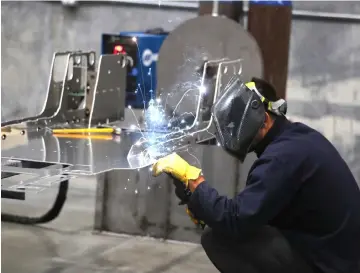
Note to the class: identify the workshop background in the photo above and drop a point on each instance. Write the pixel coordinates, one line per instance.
(324, 63)
(322, 91)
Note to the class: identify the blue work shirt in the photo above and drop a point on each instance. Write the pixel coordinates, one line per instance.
(301, 185)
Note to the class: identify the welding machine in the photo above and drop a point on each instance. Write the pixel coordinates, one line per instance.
(142, 50)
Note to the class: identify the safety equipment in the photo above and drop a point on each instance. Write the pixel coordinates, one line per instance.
(181, 172)
(181, 191)
(278, 107)
(239, 113)
(177, 167)
(184, 195)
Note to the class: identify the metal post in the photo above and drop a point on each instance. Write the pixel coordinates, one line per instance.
(270, 25)
(231, 9)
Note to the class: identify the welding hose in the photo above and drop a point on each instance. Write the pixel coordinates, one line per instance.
(45, 218)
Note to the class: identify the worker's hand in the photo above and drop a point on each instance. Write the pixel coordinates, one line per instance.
(177, 167)
(181, 191)
(194, 220)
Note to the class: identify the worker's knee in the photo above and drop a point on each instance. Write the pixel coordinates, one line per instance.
(264, 240)
(211, 245)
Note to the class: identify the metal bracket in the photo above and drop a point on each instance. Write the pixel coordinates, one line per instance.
(72, 100)
(108, 101)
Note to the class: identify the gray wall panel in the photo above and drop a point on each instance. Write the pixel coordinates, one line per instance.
(323, 87)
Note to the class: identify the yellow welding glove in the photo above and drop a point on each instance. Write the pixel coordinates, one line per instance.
(181, 171)
(177, 167)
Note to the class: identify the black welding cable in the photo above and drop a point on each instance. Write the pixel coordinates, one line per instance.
(45, 218)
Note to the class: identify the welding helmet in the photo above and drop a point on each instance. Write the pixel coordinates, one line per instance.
(238, 115)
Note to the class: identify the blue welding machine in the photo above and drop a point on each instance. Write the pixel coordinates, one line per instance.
(142, 50)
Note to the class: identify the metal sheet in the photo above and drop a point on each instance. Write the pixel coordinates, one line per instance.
(191, 44)
(108, 102)
(87, 154)
(76, 89)
(134, 202)
(72, 97)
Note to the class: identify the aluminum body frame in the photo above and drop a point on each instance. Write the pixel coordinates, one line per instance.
(77, 96)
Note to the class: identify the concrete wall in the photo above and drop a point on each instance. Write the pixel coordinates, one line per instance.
(324, 72)
(323, 87)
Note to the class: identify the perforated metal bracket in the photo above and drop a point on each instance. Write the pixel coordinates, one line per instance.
(72, 100)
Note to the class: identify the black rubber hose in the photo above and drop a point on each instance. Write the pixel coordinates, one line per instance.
(48, 216)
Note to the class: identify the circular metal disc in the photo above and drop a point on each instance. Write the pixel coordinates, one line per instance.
(204, 37)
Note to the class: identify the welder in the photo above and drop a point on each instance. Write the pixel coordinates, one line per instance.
(300, 209)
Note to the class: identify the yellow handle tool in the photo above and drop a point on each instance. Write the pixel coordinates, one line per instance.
(84, 130)
(81, 136)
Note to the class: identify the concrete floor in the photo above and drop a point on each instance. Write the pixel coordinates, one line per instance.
(69, 245)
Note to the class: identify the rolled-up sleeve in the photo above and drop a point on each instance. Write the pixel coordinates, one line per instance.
(269, 189)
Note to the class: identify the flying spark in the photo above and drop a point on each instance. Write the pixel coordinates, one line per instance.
(163, 134)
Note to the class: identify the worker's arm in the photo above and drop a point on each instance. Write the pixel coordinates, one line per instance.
(270, 188)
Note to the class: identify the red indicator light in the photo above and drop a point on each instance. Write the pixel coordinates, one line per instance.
(118, 49)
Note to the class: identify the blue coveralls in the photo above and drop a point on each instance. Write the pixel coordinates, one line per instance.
(301, 185)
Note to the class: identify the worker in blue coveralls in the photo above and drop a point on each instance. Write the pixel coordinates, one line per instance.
(300, 209)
